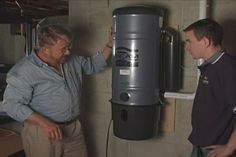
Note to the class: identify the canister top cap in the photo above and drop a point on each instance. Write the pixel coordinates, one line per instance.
(139, 10)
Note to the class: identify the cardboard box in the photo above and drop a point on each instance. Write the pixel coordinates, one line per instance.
(10, 142)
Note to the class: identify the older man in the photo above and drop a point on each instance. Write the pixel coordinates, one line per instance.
(44, 92)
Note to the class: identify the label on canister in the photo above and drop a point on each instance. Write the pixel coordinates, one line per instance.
(124, 72)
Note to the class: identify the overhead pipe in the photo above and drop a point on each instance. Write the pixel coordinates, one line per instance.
(21, 14)
(203, 13)
(28, 39)
(28, 31)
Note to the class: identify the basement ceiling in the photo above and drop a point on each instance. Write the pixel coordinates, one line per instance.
(32, 9)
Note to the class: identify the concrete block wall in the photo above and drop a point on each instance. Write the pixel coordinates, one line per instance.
(225, 13)
(93, 19)
(11, 46)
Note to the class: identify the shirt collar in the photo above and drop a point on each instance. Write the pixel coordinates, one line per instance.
(213, 59)
(37, 60)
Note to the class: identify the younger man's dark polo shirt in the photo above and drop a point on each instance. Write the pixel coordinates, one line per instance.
(213, 119)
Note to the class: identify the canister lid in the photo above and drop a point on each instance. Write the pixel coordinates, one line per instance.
(139, 10)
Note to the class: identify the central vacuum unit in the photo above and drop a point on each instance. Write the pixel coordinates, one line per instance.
(135, 71)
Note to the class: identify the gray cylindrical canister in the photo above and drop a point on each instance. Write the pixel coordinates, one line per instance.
(135, 71)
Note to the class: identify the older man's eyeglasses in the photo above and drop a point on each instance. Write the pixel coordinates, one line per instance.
(66, 48)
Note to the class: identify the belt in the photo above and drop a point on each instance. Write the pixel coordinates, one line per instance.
(66, 122)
